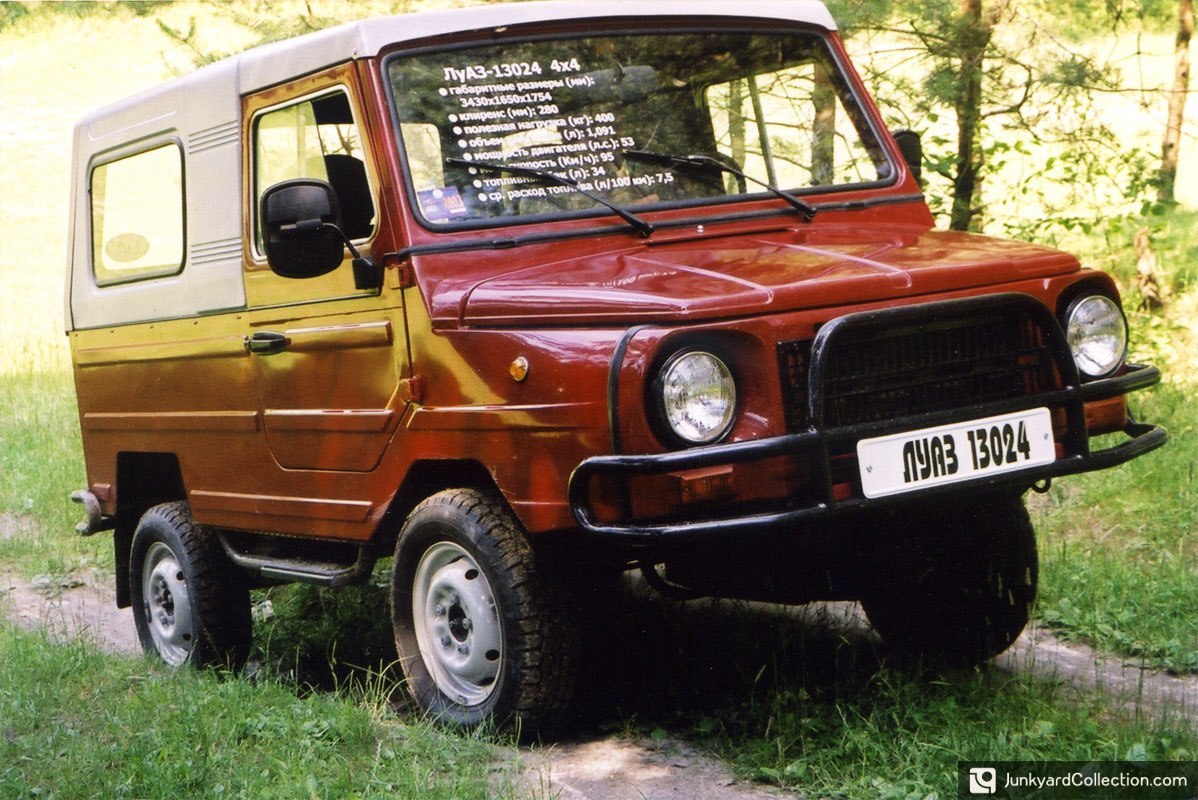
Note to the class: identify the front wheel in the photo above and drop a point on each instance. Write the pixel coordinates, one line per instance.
(956, 585)
(189, 605)
(479, 629)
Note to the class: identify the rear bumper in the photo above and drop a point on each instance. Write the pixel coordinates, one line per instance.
(818, 443)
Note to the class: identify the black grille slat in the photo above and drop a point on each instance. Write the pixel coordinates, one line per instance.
(939, 365)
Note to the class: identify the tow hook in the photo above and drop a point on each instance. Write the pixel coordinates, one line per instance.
(95, 520)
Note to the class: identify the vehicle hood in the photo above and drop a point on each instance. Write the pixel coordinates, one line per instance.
(720, 277)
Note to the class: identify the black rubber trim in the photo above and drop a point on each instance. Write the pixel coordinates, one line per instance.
(613, 386)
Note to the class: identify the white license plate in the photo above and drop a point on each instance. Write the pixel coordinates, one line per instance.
(905, 462)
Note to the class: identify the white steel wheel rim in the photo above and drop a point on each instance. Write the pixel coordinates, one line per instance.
(167, 605)
(457, 624)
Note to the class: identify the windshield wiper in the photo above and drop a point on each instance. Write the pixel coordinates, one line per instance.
(644, 228)
(700, 161)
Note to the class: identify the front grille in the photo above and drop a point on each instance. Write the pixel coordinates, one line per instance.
(877, 373)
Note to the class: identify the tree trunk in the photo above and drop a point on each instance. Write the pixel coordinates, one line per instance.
(736, 121)
(1177, 101)
(823, 144)
(1152, 297)
(974, 37)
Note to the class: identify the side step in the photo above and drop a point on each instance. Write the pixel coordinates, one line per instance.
(95, 521)
(298, 570)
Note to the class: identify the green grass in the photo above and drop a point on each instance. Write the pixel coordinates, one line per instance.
(1171, 234)
(316, 637)
(41, 463)
(900, 737)
(75, 723)
(816, 708)
(1119, 560)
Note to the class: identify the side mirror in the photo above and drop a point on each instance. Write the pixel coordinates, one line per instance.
(301, 228)
(911, 146)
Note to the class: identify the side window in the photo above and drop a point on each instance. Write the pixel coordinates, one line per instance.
(137, 216)
(315, 138)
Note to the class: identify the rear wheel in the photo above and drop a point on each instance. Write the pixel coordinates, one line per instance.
(480, 630)
(958, 586)
(189, 604)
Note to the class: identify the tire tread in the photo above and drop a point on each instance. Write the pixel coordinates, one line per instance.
(220, 599)
(547, 641)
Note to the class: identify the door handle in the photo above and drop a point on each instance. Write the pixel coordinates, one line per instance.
(264, 343)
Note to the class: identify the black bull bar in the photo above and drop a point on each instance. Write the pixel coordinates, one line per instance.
(819, 441)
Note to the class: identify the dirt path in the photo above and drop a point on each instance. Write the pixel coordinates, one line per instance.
(621, 769)
(614, 768)
(69, 609)
(1089, 671)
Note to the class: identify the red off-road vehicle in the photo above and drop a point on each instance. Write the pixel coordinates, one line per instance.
(525, 295)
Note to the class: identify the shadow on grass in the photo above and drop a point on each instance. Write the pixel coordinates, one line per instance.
(657, 663)
(648, 662)
(321, 639)
(802, 698)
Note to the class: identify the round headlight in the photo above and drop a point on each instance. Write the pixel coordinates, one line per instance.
(1097, 334)
(698, 397)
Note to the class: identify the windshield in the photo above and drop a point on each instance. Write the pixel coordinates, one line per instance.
(772, 105)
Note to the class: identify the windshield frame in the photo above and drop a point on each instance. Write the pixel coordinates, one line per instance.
(846, 75)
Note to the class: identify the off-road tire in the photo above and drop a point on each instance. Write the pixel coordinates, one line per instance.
(447, 544)
(955, 585)
(190, 605)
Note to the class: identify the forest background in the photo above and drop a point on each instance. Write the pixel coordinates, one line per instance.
(1041, 120)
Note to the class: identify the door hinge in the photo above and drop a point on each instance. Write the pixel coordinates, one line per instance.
(399, 271)
(411, 390)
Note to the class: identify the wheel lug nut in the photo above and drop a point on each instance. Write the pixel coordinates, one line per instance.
(445, 641)
(463, 649)
(439, 610)
(467, 624)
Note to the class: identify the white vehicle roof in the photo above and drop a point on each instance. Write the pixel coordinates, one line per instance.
(271, 64)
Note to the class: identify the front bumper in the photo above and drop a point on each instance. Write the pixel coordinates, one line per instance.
(818, 443)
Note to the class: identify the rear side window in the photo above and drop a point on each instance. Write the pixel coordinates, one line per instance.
(137, 216)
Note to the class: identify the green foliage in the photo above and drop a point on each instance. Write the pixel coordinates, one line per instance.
(11, 12)
(854, 15)
(1087, 17)
(269, 21)
(144, 8)
(187, 39)
(1077, 71)
(75, 723)
(1011, 115)
(1171, 231)
(324, 637)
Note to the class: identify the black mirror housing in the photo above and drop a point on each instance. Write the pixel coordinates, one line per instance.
(911, 146)
(301, 228)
